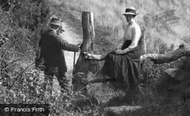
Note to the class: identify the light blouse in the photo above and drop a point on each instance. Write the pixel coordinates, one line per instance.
(133, 33)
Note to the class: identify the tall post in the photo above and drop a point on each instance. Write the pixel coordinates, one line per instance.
(144, 41)
(82, 65)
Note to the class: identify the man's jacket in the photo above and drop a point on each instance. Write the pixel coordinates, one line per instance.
(52, 47)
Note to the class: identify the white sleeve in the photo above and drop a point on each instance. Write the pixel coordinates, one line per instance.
(136, 33)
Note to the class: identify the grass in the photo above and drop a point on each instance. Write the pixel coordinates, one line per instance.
(106, 12)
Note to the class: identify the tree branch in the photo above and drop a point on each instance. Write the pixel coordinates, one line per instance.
(168, 57)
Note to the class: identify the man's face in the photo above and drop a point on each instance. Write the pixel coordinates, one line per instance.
(60, 30)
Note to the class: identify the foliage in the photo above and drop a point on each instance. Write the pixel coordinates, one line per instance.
(21, 22)
(29, 89)
(152, 72)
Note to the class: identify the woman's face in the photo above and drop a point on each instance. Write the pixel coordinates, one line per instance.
(128, 17)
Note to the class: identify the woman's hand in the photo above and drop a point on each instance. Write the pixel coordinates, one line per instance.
(118, 51)
(118, 48)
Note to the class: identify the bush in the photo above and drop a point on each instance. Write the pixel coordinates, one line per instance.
(21, 22)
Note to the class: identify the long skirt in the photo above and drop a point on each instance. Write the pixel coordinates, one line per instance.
(123, 68)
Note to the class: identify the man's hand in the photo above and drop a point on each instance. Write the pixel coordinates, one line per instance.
(79, 45)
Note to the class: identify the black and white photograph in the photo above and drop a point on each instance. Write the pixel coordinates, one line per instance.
(94, 58)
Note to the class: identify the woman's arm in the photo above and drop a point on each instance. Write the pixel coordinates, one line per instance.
(136, 32)
(94, 56)
(120, 44)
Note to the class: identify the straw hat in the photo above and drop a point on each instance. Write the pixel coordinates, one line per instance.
(56, 21)
(130, 11)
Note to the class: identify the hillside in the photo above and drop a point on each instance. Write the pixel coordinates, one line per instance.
(163, 20)
(22, 21)
(166, 25)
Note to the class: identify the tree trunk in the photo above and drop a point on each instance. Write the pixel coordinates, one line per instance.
(82, 65)
(166, 58)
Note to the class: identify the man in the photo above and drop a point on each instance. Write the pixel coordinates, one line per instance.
(52, 52)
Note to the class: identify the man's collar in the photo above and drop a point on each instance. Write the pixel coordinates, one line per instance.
(52, 30)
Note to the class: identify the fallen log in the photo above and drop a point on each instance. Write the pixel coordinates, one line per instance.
(168, 57)
(155, 58)
(120, 110)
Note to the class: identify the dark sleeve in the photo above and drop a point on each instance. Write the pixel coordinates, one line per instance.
(39, 42)
(61, 43)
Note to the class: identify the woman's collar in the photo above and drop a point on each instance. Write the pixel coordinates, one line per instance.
(131, 22)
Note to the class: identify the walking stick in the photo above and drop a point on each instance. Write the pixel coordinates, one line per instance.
(74, 62)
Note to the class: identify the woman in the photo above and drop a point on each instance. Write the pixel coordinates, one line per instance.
(123, 63)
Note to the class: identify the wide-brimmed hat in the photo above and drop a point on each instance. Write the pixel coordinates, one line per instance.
(56, 21)
(130, 11)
